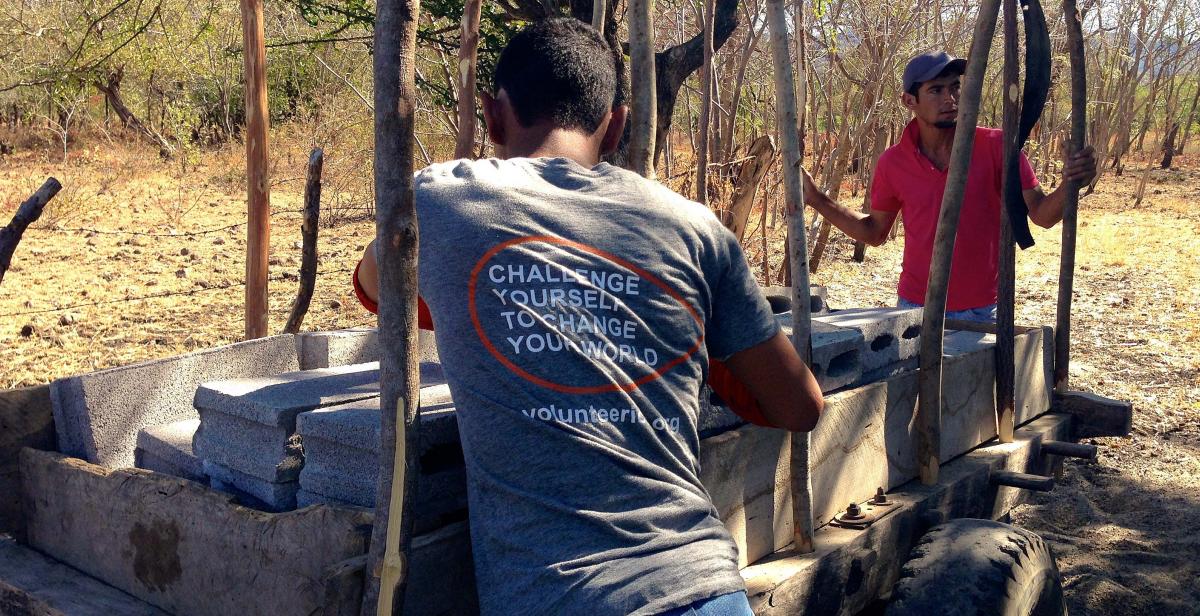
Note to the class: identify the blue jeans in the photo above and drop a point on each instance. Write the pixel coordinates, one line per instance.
(982, 314)
(732, 604)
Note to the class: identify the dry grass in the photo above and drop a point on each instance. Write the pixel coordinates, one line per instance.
(153, 280)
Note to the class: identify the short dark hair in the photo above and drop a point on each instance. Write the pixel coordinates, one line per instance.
(559, 70)
(951, 69)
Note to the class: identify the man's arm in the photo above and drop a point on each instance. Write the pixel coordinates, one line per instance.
(786, 390)
(1047, 210)
(368, 273)
(869, 228)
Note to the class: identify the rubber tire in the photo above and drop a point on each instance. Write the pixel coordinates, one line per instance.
(979, 567)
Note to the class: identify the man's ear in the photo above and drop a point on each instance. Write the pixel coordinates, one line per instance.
(492, 114)
(616, 128)
(909, 101)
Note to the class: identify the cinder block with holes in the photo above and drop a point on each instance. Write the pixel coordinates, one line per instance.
(835, 352)
(780, 298)
(890, 335)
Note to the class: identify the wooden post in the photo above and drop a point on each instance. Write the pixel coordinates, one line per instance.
(27, 213)
(308, 259)
(258, 184)
(929, 410)
(598, 10)
(642, 82)
(789, 136)
(1006, 281)
(464, 146)
(705, 106)
(396, 243)
(1066, 268)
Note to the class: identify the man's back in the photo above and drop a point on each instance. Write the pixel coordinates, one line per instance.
(575, 310)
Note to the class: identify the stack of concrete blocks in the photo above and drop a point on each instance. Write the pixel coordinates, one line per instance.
(247, 434)
(168, 449)
(98, 416)
(890, 337)
(342, 445)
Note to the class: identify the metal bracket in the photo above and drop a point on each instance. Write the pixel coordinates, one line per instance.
(860, 517)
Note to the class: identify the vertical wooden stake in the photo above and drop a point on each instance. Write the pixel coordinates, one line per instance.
(929, 408)
(258, 185)
(1066, 268)
(1006, 282)
(467, 52)
(789, 136)
(309, 228)
(705, 106)
(396, 241)
(598, 10)
(642, 82)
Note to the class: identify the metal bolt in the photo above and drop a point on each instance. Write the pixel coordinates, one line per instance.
(880, 497)
(853, 511)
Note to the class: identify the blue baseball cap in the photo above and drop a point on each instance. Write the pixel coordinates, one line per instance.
(929, 65)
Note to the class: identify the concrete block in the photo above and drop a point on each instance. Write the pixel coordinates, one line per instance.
(835, 352)
(182, 547)
(357, 345)
(715, 417)
(780, 298)
(342, 457)
(270, 453)
(889, 334)
(98, 415)
(252, 491)
(168, 449)
(275, 401)
(33, 584)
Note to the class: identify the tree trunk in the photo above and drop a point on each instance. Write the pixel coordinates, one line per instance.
(642, 82)
(706, 76)
(467, 51)
(110, 86)
(396, 238)
(1168, 148)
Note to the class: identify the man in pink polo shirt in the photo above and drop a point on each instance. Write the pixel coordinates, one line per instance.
(911, 176)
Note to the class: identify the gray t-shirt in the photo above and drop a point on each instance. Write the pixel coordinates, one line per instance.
(576, 310)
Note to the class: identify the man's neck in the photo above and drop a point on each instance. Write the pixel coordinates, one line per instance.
(935, 143)
(554, 143)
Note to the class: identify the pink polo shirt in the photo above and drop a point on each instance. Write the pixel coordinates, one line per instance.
(907, 182)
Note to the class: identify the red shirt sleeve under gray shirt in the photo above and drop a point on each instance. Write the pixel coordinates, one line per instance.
(576, 310)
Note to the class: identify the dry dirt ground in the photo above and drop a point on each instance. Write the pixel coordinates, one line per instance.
(138, 259)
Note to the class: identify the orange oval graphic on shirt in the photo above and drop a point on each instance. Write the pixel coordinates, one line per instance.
(608, 387)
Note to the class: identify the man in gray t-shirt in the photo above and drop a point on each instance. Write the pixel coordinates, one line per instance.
(577, 306)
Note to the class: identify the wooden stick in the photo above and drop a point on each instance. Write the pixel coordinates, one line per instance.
(642, 83)
(598, 10)
(258, 183)
(308, 259)
(1024, 481)
(396, 242)
(929, 411)
(27, 213)
(468, 50)
(1066, 267)
(786, 119)
(1006, 281)
(1070, 450)
(706, 73)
